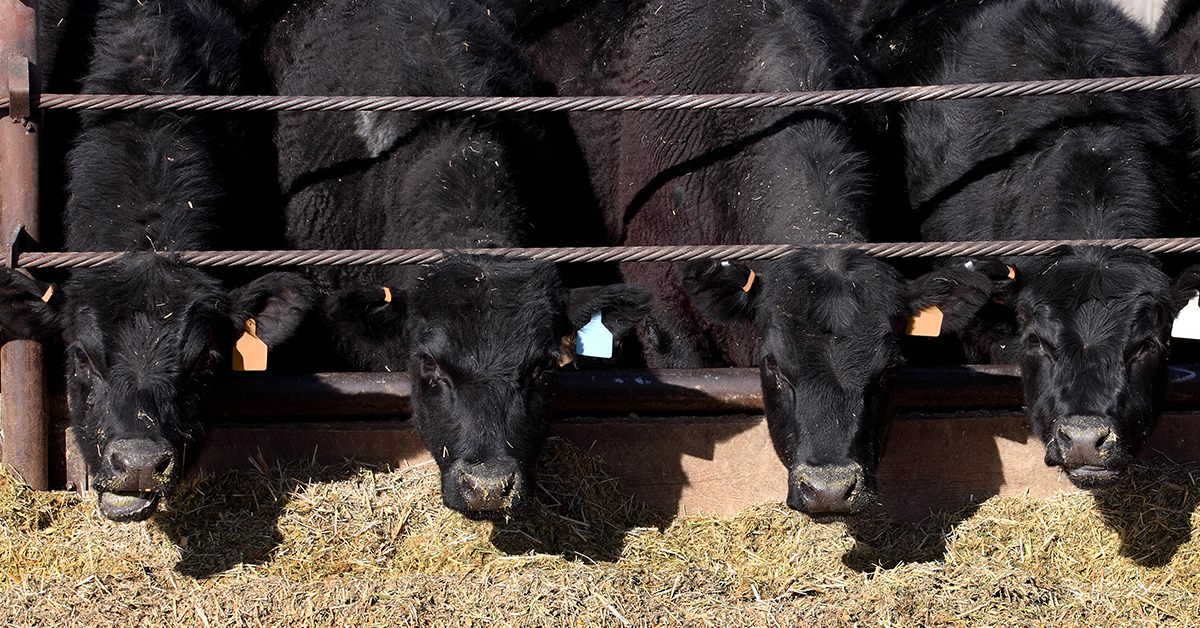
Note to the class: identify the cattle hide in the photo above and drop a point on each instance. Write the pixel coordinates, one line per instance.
(820, 325)
(1088, 326)
(480, 336)
(146, 333)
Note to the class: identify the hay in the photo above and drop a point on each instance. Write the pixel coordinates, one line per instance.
(356, 545)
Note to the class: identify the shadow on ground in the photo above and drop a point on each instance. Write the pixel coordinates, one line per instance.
(221, 521)
(1151, 510)
(579, 512)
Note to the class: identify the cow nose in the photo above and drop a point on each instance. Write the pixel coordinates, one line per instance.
(824, 490)
(1084, 443)
(139, 465)
(488, 487)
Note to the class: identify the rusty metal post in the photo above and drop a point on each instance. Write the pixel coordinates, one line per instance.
(23, 419)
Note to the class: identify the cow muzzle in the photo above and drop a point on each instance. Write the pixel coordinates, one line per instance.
(1088, 449)
(828, 492)
(135, 474)
(489, 487)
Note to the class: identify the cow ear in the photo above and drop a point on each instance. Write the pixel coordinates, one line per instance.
(960, 289)
(29, 309)
(722, 291)
(621, 306)
(1186, 286)
(278, 303)
(370, 312)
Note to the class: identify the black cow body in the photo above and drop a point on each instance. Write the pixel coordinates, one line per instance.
(1088, 326)
(145, 333)
(1178, 33)
(821, 326)
(479, 336)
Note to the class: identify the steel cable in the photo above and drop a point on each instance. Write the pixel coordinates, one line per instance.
(614, 103)
(385, 257)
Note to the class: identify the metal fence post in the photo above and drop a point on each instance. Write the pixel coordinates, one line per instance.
(23, 417)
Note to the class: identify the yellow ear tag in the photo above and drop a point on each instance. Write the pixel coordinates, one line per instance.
(250, 353)
(749, 283)
(927, 322)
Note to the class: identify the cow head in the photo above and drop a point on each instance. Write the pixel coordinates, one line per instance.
(1089, 327)
(144, 336)
(829, 353)
(481, 339)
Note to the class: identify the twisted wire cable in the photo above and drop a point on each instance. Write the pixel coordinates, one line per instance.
(386, 257)
(614, 103)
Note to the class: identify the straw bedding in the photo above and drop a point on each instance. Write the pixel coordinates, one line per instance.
(355, 545)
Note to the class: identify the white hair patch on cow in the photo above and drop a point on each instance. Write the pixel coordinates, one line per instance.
(377, 129)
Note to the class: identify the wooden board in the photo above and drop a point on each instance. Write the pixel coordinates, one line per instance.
(714, 465)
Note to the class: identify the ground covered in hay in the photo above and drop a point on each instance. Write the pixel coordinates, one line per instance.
(359, 546)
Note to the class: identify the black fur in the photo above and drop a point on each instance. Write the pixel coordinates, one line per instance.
(479, 336)
(1088, 326)
(146, 333)
(744, 177)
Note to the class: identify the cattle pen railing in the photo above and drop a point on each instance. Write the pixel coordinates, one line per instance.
(38, 450)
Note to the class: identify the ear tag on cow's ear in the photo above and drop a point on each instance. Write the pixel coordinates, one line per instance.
(48, 293)
(1187, 324)
(250, 353)
(927, 322)
(1012, 272)
(594, 339)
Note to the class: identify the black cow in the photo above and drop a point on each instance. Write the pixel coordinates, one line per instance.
(1178, 33)
(1089, 326)
(146, 333)
(821, 326)
(479, 336)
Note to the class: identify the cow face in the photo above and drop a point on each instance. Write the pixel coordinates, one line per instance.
(143, 338)
(483, 338)
(829, 356)
(1089, 327)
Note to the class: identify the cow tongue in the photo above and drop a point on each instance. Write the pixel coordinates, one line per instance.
(128, 506)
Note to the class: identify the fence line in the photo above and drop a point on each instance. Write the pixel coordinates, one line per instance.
(614, 103)
(387, 257)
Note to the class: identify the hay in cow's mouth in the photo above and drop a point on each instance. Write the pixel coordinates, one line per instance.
(125, 507)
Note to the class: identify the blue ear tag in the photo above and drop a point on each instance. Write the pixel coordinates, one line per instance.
(594, 340)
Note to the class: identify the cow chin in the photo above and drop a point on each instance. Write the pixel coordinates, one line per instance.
(486, 491)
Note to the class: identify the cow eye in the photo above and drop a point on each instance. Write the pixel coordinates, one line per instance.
(1141, 351)
(83, 363)
(1036, 344)
(428, 363)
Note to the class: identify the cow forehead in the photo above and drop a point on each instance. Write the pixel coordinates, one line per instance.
(1116, 287)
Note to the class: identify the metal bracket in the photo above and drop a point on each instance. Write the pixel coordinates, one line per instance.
(16, 243)
(20, 103)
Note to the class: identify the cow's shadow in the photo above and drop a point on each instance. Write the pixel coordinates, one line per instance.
(579, 512)
(1151, 510)
(221, 521)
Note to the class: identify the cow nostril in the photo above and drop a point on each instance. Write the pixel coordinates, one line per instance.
(119, 463)
(163, 466)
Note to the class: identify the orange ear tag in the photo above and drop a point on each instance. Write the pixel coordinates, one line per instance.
(1012, 273)
(49, 293)
(927, 322)
(749, 283)
(250, 353)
